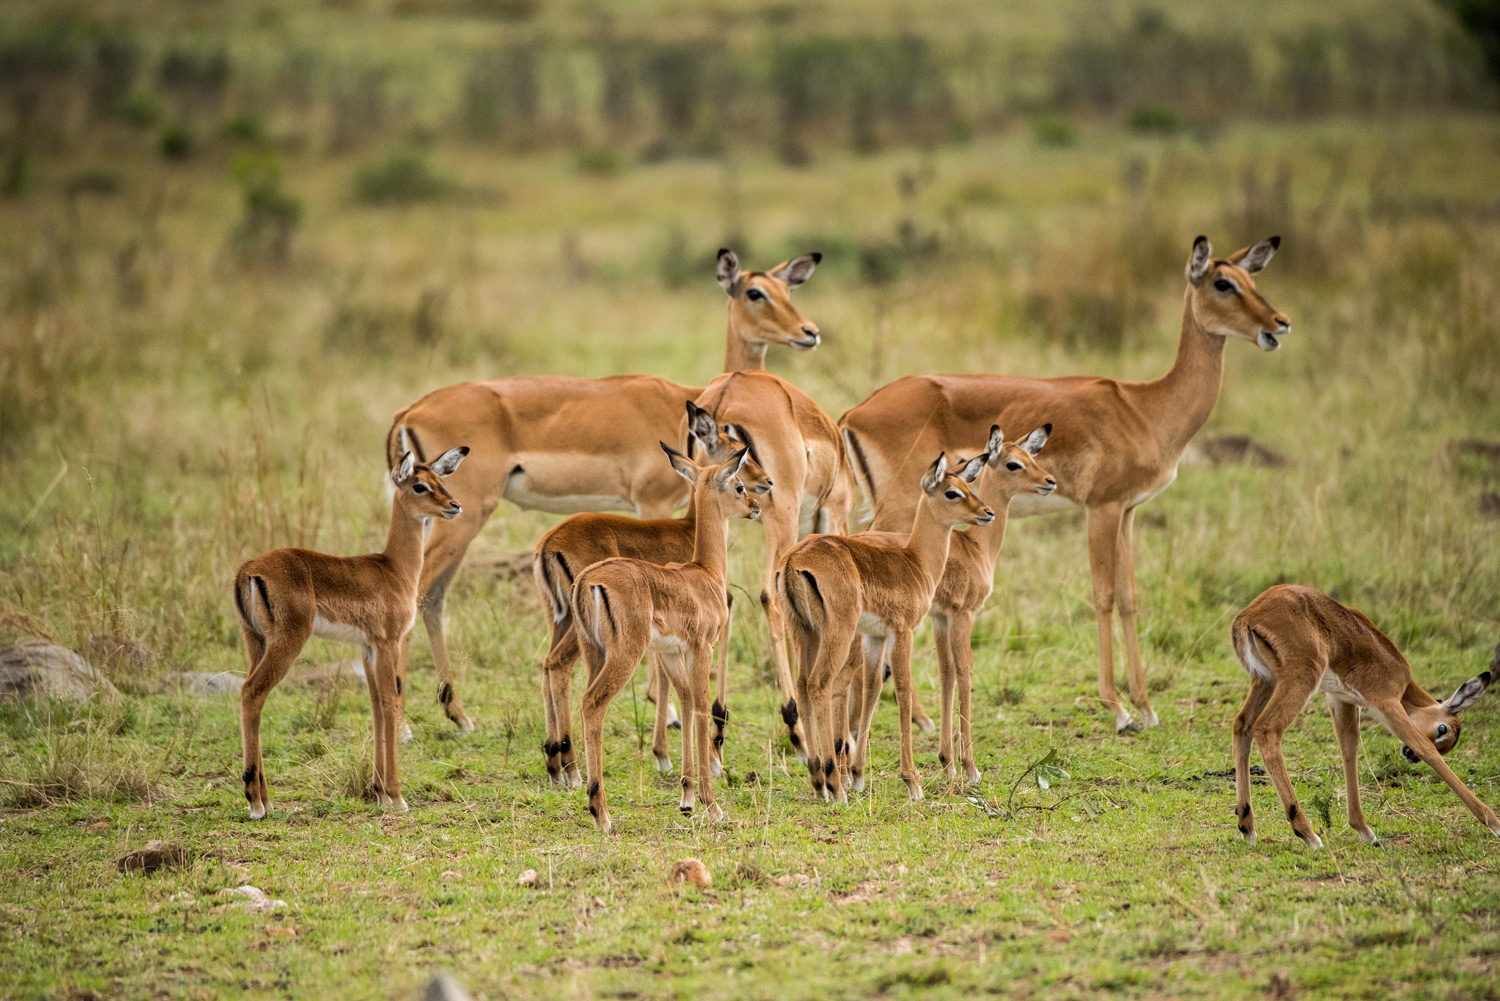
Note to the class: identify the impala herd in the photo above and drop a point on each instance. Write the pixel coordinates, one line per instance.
(929, 456)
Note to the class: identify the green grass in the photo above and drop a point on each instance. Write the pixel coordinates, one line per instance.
(171, 404)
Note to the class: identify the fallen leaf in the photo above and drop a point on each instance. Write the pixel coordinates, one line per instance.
(690, 870)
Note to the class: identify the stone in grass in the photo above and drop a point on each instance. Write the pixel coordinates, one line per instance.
(528, 878)
(154, 855)
(38, 669)
(442, 987)
(690, 870)
(204, 683)
(251, 899)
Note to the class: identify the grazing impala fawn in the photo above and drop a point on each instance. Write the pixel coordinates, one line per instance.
(1118, 448)
(833, 588)
(585, 539)
(287, 596)
(1010, 470)
(624, 607)
(1294, 641)
(563, 444)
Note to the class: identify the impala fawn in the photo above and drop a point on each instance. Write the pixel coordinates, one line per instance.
(832, 588)
(287, 596)
(1294, 641)
(623, 607)
(1010, 470)
(585, 539)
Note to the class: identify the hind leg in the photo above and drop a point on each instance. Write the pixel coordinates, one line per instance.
(277, 656)
(1260, 693)
(781, 534)
(659, 693)
(960, 647)
(557, 676)
(608, 674)
(720, 707)
(1293, 687)
(874, 653)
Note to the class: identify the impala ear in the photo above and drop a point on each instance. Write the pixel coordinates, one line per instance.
(1468, 693)
(997, 442)
(1198, 262)
(797, 270)
(403, 472)
(1037, 439)
(1256, 256)
(728, 270)
(680, 463)
(701, 425)
(935, 473)
(971, 469)
(731, 468)
(449, 461)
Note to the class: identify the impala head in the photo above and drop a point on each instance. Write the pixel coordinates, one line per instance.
(760, 302)
(1224, 298)
(727, 478)
(718, 444)
(950, 495)
(1440, 721)
(1013, 466)
(422, 486)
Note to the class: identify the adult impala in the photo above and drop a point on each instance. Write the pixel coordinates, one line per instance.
(1116, 444)
(562, 444)
(1294, 641)
(585, 539)
(287, 596)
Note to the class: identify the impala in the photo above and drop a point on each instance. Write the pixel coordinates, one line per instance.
(564, 445)
(1294, 641)
(1116, 446)
(624, 607)
(585, 539)
(286, 596)
(832, 588)
(1010, 470)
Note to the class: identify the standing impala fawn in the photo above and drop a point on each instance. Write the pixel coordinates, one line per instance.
(833, 587)
(624, 607)
(287, 596)
(586, 539)
(1010, 470)
(563, 444)
(1118, 448)
(1294, 641)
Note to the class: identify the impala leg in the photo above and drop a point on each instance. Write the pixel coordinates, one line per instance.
(1287, 699)
(659, 691)
(386, 657)
(781, 534)
(1104, 535)
(960, 639)
(557, 677)
(682, 669)
(901, 673)
(700, 675)
(942, 635)
(1125, 597)
(442, 555)
(875, 653)
(1244, 723)
(1394, 715)
(608, 674)
(276, 657)
(720, 706)
(1346, 726)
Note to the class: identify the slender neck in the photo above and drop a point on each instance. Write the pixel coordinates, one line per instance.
(1416, 697)
(741, 355)
(928, 542)
(711, 537)
(1182, 399)
(403, 542)
(991, 537)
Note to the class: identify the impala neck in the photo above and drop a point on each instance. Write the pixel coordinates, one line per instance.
(403, 542)
(741, 355)
(1417, 697)
(1182, 399)
(991, 537)
(711, 536)
(928, 542)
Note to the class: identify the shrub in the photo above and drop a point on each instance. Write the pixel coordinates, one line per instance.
(1054, 131)
(176, 142)
(1150, 117)
(404, 178)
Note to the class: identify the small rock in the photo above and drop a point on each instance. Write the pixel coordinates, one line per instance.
(37, 669)
(153, 856)
(251, 899)
(527, 878)
(204, 683)
(690, 870)
(443, 987)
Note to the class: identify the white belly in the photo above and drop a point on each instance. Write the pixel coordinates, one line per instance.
(339, 632)
(519, 493)
(1145, 495)
(1028, 505)
(670, 646)
(870, 625)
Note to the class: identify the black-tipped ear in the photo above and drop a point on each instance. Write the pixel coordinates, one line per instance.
(1256, 256)
(1468, 693)
(1199, 260)
(797, 270)
(969, 471)
(404, 469)
(1037, 439)
(681, 464)
(445, 464)
(731, 468)
(701, 424)
(727, 270)
(996, 442)
(935, 473)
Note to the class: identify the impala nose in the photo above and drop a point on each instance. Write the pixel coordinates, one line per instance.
(810, 339)
(454, 511)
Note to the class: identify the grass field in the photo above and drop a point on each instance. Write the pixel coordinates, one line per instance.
(175, 399)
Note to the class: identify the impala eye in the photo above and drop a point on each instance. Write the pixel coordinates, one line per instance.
(755, 295)
(1442, 729)
(1224, 285)
(420, 488)
(954, 495)
(739, 488)
(1014, 466)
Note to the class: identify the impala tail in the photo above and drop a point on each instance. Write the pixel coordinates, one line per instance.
(554, 579)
